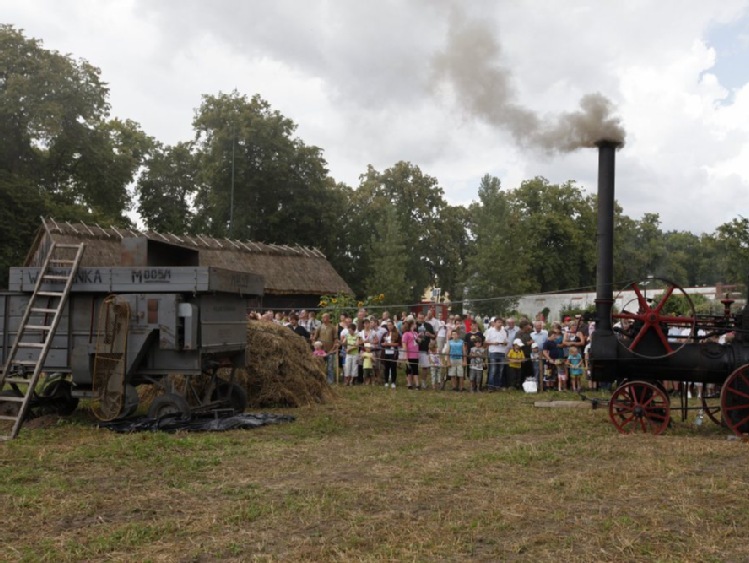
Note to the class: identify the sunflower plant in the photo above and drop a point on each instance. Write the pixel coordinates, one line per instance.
(339, 303)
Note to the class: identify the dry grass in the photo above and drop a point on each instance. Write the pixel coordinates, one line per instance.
(380, 475)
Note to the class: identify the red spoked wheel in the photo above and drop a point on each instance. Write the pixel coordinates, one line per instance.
(639, 406)
(650, 332)
(734, 401)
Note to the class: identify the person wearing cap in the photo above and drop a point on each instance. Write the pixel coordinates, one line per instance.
(515, 358)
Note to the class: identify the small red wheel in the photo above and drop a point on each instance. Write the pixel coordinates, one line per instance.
(639, 406)
(734, 401)
(652, 333)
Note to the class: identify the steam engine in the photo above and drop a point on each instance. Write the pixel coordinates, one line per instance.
(645, 355)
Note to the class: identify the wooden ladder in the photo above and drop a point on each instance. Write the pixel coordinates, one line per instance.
(25, 362)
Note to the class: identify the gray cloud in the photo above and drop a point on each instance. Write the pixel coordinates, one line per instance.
(471, 64)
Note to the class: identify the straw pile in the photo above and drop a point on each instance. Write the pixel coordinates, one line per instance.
(281, 370)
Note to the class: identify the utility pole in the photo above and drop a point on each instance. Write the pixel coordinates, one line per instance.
(231, 200)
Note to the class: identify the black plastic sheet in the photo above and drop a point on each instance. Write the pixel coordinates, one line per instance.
(195, 423)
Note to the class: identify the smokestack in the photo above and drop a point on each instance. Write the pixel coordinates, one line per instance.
(605, 234)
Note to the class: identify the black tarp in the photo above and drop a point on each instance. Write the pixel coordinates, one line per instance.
(195, 423)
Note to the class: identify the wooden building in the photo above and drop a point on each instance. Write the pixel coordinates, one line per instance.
(295, 276)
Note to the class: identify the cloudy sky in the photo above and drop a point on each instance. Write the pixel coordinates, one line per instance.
(460, 89)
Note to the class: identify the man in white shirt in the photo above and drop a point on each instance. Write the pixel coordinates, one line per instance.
(495, 339)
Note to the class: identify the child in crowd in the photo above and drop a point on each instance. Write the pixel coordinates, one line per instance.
(455, 350)
(367, 359)
(351, 342)
(535, 358)
(561, 365)
(435, 365)
(515, 357)
(319, 352)
(586, 362)
(575, 363)
(476, 369)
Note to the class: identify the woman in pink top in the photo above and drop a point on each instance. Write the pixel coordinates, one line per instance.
(411, 346)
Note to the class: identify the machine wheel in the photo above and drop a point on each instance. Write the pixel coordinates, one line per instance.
(649, 337)
(8, 408)
(60, 395)
(169, 404)
(231, 394)
(639, 406)
(711, 405)
(734, 401)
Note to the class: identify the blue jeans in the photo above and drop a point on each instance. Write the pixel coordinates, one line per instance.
(495, 359)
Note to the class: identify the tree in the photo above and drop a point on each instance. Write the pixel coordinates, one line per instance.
(166, 187)
(558, 224)
(256, 180)
(59, 154)
(389, 262)
(497, 272)
(732, 240)
(418, 203)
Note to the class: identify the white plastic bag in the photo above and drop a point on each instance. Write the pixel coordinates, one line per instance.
(530, 385)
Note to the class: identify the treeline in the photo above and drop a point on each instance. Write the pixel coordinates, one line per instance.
(246, 175)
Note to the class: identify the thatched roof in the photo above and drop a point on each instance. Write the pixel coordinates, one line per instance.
(286, 269)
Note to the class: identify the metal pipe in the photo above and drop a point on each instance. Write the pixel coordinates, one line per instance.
(605, 234)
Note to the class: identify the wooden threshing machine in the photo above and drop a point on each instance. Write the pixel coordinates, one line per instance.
(642, 347)
(68, 332)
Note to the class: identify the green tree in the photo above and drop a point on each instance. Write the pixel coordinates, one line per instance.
(418, 203)
(57, 143)
(280, 190)
(732, 241)
(558, 225)
(389, 262)
(496, 271)
(166, 187)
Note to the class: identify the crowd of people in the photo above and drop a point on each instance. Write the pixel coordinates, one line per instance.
(466, 353)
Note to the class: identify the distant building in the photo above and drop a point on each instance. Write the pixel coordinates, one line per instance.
(534, 304)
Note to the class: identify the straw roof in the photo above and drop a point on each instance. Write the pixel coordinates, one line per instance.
(287, 269)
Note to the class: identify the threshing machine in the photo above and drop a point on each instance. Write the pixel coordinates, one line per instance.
(69, 332)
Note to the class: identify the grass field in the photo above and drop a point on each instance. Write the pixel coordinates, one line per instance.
(380, 475)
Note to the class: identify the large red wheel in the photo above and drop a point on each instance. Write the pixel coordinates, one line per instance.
(639, 406)
(734, 401)
(652, 333)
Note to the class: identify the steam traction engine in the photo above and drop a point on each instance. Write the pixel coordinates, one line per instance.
(642, 347)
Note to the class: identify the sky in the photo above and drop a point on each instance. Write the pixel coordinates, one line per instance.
(512, 88)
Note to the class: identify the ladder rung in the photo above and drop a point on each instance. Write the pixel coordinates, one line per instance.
(54, 277)
(5, 417)
(23, 362)
(31, 345)
(61, 261)
(67, 245)
(42, 310)
(13, 399)
(50, 293)
(17, 380)
(38, 327)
